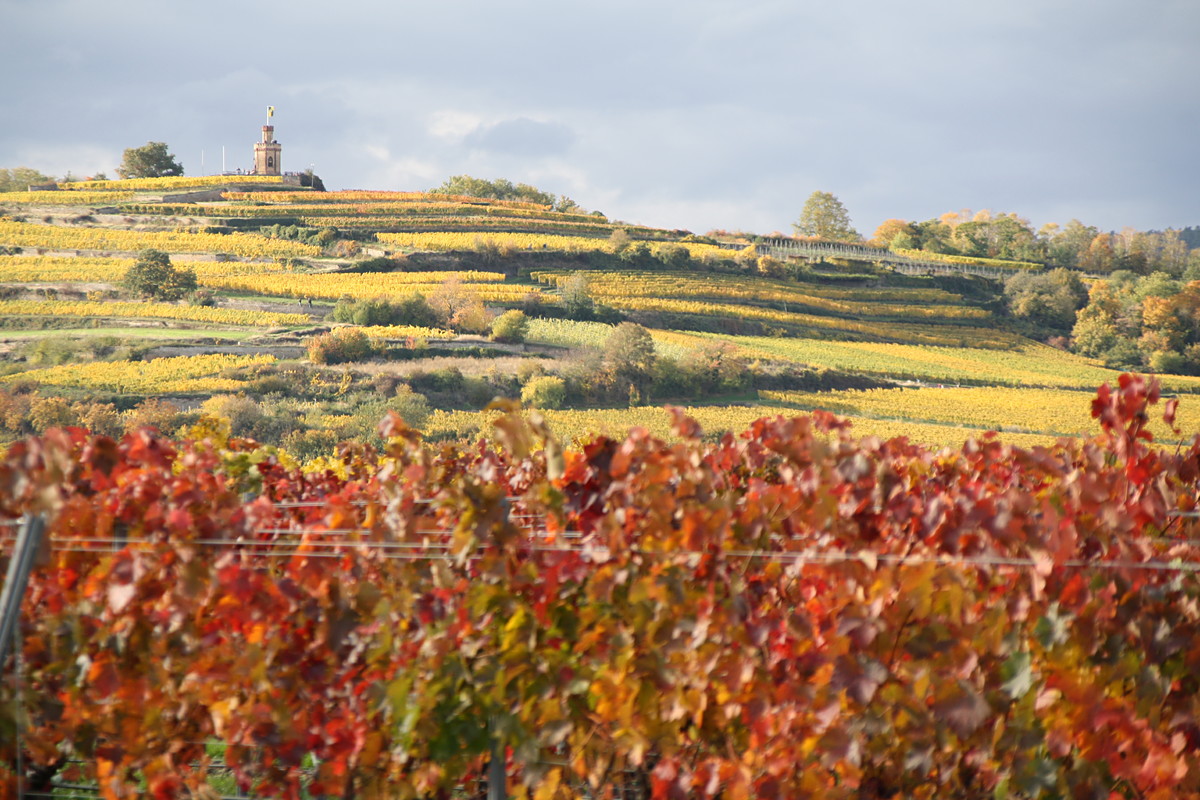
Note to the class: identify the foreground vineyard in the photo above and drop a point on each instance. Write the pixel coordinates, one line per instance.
(789, 613)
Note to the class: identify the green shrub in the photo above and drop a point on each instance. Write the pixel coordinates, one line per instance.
(309, 444)
(1170, 362)
(153, 276)
(547, 391)
(675, 256)
(242, 412)
(636, 254)
(340, 346)
(510, 327)
(412, 310)
(203, 297)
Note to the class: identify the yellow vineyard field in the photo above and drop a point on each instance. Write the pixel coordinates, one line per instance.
(529, 241)
(1023, 363)
(640, 286)
(379, 213)
(84, 269)
(1043, 411)
(472, 225)
(581, 425)
(88, 309)
(246, 245)
(405, 332)
(359, 196)
(180, 375)
(568, 333)
(571, 333)
(654, 283)
(63, 198)
(488, 286)
(914, 333)
(167, 183)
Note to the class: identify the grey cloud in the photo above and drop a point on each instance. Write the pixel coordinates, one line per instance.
(522, 137)
(700, 114)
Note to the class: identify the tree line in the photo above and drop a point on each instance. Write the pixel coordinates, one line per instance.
(986, 234)
(151, 160)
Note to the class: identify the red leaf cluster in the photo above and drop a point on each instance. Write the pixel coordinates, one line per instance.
(793, 612)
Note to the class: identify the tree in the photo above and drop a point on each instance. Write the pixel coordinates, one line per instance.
(450, 298)
(577, 297)
(1099, 255)
(1067, 245)
(1048, 299)
(19, 179)
(824, 217)
(629, 351)
(153, 275)
(151, 160)
(897, 232)
(499, 189)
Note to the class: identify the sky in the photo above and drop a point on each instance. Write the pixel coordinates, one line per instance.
(699, 115)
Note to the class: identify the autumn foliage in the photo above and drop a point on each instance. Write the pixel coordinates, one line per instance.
(794, 612)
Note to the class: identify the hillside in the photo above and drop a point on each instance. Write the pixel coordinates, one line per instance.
(735, 328)
(357, 565)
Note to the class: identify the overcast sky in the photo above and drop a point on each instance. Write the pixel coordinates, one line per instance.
(699, 115)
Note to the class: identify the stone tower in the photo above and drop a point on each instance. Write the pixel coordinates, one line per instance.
(267, 152)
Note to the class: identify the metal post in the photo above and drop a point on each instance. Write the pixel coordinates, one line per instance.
(497, 777)
(19, 567)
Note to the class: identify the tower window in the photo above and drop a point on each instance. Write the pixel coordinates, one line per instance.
(270, 161)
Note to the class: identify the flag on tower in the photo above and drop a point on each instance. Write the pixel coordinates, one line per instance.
(270, 111)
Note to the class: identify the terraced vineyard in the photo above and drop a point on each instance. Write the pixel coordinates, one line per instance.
(57, 238)
(94, 309)
(264, 245)
(488, 286)
(84, 269)
(1041, 411)
(625, 284)
(186, 374)
(1025, 363)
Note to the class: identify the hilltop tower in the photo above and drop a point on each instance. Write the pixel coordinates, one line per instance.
(267, 152)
